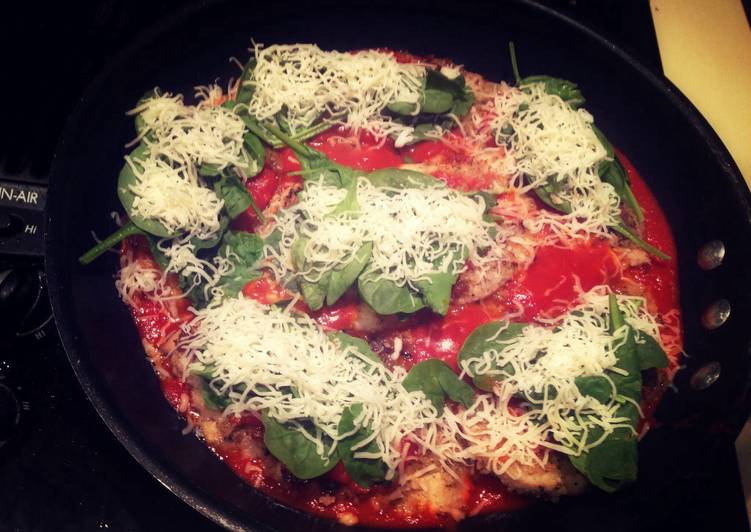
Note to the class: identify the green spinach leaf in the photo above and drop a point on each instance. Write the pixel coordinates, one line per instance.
(236, 197)
(649, 351)
(386, 297)
(437, 381)
(364, 471)
(344, 276)
(490, 336)
(398, 178)
(245, 249)
(294, 450)
(613, 462)
(595, 386)
(126, 179)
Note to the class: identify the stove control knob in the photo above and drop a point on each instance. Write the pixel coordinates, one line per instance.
(24, 308)
(10, 224)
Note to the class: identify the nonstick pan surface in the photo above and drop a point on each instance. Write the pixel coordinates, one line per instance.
(682, 160)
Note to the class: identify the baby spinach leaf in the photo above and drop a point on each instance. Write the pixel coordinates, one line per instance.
(436, 101)
(214, 239)
(649, 351)
(314, 293)
(236, 197)
(345, 276)
(245, 250)
(127, 179)
(213, 400)
(494, 335)
(622, 229)
(398, 178)
(364, 471)
(386, 297)
(567, 90)
(612, 171)
(488, 198)
(595, 386)
(330, 285)
(549, 193)
(613, 462)
(294, 450)
(403, 108)
(349, 204)
(436, 289)
(209, 170)
(437, 381)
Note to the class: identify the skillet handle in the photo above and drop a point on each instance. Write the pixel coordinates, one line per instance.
(22, 218)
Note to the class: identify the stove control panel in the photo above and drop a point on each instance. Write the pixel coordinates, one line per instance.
(22, 218)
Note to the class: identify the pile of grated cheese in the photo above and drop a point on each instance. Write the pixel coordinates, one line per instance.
(261, 353)
(169, 189)
(190, 135)
(271, 359)
(168, 195)
(415, 231)
(350, 89)
(551, 139)
(541, 365)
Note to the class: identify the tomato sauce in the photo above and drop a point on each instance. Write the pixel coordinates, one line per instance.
(362, 152)
(547, 289)
(553, 281)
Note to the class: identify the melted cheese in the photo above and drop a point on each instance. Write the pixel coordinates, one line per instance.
(351, 88)
(415, 231)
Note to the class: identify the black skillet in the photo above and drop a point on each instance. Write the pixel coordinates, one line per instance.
(681, 158)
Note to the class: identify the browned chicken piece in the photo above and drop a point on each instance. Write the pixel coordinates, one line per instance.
(479, 282)
(368, 321)
(435, 490)
(284, 196)
(557, 477)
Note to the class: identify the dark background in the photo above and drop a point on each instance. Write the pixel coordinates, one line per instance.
(60, 468)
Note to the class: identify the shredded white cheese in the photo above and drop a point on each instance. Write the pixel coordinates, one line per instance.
(271, 359)
(547, 138)
(541, 365)
(415, 231)
(267, 358)
(350, 88)
(173, 197)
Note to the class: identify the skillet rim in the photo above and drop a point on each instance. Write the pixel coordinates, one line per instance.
(206, 504)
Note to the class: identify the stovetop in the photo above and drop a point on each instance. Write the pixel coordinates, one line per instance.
(60, 467)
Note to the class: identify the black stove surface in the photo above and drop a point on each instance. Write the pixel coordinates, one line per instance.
(60, 467)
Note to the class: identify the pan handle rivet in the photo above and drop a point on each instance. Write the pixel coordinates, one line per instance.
(706, 376)
(711, 255)
(716, 314)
